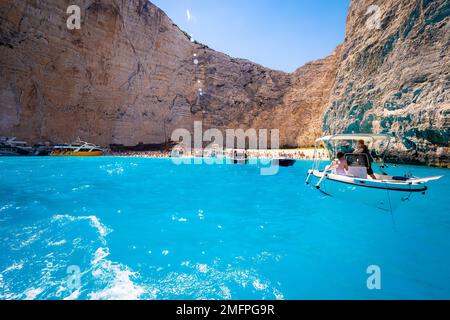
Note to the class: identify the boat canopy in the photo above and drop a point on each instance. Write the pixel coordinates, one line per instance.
(353, 136)
(377, 143)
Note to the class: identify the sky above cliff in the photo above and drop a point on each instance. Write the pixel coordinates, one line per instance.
(279, 34)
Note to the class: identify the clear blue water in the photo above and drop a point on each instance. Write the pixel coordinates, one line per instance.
(147, 229)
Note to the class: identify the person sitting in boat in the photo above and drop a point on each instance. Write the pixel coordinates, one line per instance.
(363, 149)
(340, 164)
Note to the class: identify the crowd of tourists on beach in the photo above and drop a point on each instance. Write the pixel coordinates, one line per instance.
(305, 154)
(143, 154)
(289, 154)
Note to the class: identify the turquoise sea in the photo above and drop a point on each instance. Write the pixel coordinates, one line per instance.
(136, 228)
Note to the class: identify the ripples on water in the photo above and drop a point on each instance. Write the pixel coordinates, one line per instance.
(147, 229)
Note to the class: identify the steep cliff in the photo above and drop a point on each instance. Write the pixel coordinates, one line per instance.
(396, 78)
(130, 75)
(299, 116)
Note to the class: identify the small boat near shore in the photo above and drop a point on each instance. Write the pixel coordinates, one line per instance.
(77, 149)
(238, 157)
(385, 192)
(283, 162)
(13, 147)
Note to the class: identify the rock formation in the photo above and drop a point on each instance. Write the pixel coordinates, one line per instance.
(395, 77)
(299, 116)
(130, 75)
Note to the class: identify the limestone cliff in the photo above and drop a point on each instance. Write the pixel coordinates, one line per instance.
(396, 78)
(299, 116)
(130, 75)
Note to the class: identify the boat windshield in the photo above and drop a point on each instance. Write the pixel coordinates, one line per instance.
(377, 144)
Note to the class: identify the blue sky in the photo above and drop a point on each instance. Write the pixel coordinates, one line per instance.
(279, 34)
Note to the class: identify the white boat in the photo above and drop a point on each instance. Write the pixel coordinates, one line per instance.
(385, 192)
(237, 156)
(78, 148)
(13, 147)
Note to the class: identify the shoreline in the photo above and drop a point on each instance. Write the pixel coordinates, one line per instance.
(296, 154)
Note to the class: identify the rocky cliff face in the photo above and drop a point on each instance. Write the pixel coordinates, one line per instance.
(299, 116)
(130, 75)
(396, 79)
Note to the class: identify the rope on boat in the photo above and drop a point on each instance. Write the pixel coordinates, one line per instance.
(409, 195)
(390, 207)
(389, 198)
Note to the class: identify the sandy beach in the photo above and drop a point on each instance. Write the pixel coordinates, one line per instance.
(299, 154)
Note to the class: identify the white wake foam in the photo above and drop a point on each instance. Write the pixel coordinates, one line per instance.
(102, 230)
(117, 278)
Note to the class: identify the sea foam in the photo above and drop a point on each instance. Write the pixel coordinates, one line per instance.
(93, 221)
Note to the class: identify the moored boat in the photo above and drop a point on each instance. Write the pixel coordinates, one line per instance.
(13, 147)
(283, 162)
(79, 148)
(237, 156)
(383, 191)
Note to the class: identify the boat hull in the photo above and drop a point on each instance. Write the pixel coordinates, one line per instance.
(384, 196)
(78, 154)
(284, 162)
(9, 153)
